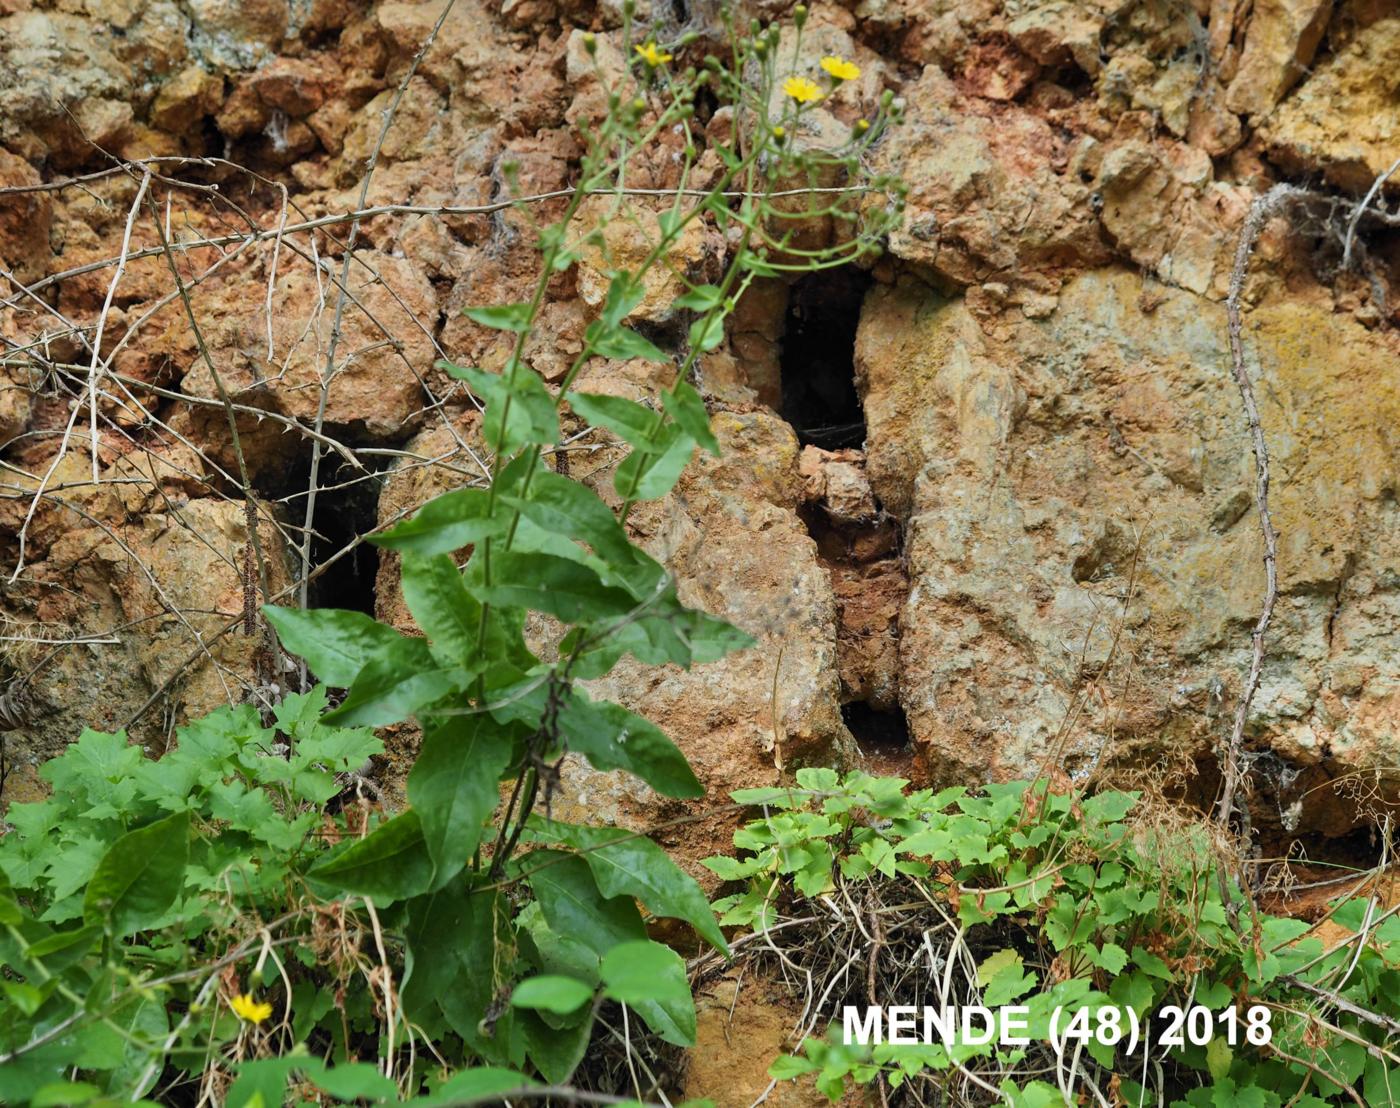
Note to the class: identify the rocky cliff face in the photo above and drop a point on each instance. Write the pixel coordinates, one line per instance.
(987, 507)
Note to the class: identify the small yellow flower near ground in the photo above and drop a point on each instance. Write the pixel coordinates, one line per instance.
(246, 1008)
(862, 125)
(839, 69)
(802, 90)
(651, 55)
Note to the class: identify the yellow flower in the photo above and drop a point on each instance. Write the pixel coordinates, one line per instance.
(802, 90)
(651, 55)
(246, 1008)
(839, 69)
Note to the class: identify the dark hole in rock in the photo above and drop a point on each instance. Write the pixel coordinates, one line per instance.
(346, 507)
(877, 731)
(818, 358)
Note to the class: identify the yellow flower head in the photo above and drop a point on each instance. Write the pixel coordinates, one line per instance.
(651, 55)
(246, 1008)
(839, 69)
(802, 90)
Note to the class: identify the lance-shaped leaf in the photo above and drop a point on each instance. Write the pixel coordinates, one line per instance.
(335, 643)
(452, 785)
(625, 864)
(140, 876)
(444, 524)
(519, 409)
(390, 863)
(548, 583)
(396, 683)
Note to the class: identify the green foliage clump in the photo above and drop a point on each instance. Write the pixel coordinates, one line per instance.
(1015, 895)
(123, 893)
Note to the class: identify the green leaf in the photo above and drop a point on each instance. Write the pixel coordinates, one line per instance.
(611, 737)
(519, 409)
(452, 785)
(633, 423)
(650, 476)
(621, 343)
(651, 979)
(442, 606)
(625, 292)
(644, 970)
(548, 583)
(624, 864)
(566, 507)
(503, 317)
(476, 1083)
(352, 1081)
(444, 524)
(1003, 976)
(335, 643)
(573, 905)
(142, 1019)
(707, 332)
(261, 1083)
(1109, 807)
(1218, 1058)
(1110, 957)
(787, 1067)
(701, 298)
(396, 683)
(552, 993)
(390, 863)
(87, 767)
(140, 876)
(555, 1051)
(64, 1094)
(688, 410)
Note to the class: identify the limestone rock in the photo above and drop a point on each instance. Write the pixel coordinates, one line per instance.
(1061, 31)
(1283, 35)
(237, 34)
(1344, 120)
(25, 220)
(985, 194)
(186, 98)
(49, 60)
(385, 345)
(1090, 471)
(1163, 209)
(169, 580)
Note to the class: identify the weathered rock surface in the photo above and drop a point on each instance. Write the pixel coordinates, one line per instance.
(153, 577)
(1344, 121)
(384, 351)
(1282, 38)
(1077, 492)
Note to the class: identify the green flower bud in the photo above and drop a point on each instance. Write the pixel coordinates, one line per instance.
(590, 43)
(799, 15)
